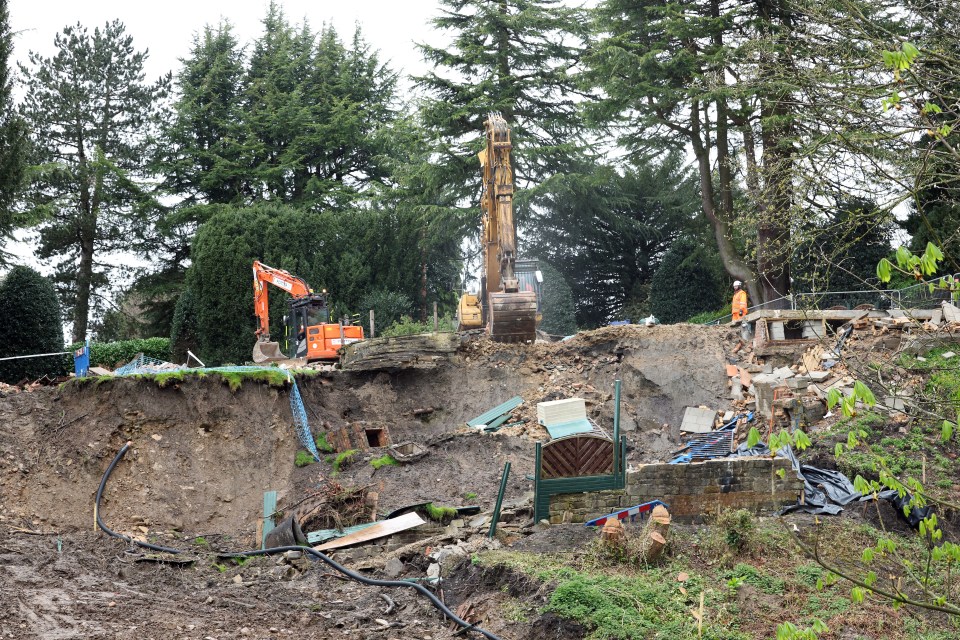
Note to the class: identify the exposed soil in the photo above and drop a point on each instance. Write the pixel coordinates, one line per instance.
(202, 456)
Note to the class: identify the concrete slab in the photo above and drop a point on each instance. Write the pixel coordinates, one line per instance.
(697, 420)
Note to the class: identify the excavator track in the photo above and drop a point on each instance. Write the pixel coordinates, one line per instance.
(513, 316)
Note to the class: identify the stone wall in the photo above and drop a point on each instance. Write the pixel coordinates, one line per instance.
(692, 492)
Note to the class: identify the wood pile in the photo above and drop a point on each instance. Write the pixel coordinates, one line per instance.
(420, 351)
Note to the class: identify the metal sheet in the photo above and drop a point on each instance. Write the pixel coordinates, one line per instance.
(496, 412)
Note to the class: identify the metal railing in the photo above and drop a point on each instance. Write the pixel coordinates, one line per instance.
(918, 296)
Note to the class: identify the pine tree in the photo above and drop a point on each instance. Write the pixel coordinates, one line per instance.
(518, 57)
(92, 113)
(13, 133)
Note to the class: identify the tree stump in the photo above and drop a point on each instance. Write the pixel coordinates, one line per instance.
(613, 534)
(653, 539)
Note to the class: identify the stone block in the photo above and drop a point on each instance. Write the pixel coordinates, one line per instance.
(696, 420)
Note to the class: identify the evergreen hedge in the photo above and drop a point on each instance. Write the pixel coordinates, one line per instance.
(111, 355)
(688, 281)
(31, 325)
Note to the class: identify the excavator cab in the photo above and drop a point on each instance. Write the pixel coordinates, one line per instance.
(305, 314)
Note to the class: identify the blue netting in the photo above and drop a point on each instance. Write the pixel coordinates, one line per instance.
(146, 364)
(300, 420)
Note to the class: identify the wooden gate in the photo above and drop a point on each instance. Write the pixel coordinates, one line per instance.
(577, 456)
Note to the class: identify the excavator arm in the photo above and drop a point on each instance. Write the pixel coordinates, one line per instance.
(511, 314)
(263, 275)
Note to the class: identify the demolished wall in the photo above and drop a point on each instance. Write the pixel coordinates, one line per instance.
(691, 491)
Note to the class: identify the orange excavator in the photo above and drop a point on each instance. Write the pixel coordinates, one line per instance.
(308, 331)
(508, 303)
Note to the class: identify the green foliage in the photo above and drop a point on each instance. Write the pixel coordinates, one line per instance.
(388, 306)
(184, 330)
(93, 116)
(631, 608)
(200, 541)
(470, 496)
(687, 282)
(406, 326)
(607, 233)
(440, 514)
(304, 458)
(738, 528)
(373, 253)
(385, 460)
(756, 578)
(322, 445)
(31, 323)
(706, 317)
(790, 631)
(559, 312)
(114, 354)
(14, 142)
(343, 459)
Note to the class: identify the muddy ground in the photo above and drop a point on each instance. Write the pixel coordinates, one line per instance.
(202, 456)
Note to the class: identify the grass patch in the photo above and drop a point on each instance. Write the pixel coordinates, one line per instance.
(470, 496)
(386, 460)
(322, 445)
(200, 541)
(303, 458)
(755, 578)
(343, 459)
(271, 377)
(624, 605)
(440, 514)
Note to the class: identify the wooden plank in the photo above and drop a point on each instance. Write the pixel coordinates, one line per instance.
(379, 530)
(315, 537)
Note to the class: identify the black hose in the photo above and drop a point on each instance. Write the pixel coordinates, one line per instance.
(437, 603)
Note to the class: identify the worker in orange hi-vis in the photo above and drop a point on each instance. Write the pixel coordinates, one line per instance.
(739, 305)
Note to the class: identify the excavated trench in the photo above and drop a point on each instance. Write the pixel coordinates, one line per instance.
(203, 455)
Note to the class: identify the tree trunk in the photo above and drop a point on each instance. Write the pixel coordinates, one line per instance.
(731, 260)
(81, 309)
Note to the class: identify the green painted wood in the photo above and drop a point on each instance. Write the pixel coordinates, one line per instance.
(493, 426)
(569, 428)
(496, 509)
(269, 508)
(496, 412)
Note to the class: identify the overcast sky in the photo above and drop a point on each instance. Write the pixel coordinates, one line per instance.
(166, 27)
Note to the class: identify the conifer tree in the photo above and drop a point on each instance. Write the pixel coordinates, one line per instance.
(91, 111)
(13, 133)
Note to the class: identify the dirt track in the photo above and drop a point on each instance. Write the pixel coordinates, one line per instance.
(203, 456)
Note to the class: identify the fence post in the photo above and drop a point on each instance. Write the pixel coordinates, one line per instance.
(436, 321)
(372, 334)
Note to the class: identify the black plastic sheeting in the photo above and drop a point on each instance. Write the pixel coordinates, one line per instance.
(827, 492)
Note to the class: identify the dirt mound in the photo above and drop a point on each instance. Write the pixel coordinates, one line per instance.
(203, 455)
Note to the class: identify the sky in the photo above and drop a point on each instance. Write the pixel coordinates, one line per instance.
(166, 28)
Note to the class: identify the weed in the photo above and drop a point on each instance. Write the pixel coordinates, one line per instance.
(809, 574)
(322, 445)
(383, 461)
(343, 459)
(200, 541)
(514, 611)
(241, 560)
(440, 514)
(738, 528)
(304, 458)
(470, 496)
(219, 567)
(756, 578)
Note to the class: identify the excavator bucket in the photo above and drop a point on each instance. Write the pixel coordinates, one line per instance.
(264, 351)
(513, 316)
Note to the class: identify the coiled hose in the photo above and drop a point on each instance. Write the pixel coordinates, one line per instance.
(275, 550)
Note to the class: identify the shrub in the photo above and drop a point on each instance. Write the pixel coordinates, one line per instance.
(31, 325)
(388, 306)
(406, 326)
(114, 354)
(687, 282)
